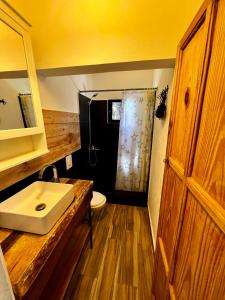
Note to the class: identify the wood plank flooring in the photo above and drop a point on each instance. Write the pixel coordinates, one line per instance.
(121, 262)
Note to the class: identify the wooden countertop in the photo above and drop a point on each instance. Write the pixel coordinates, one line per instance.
(26, 253)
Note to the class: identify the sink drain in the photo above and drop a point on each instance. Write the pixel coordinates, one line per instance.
(40, 206)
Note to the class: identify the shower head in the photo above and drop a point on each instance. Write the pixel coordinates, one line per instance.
(93, 96)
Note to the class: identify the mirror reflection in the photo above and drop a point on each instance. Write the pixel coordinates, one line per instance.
(16, 104)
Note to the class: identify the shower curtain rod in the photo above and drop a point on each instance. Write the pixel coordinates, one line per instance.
(119, 90)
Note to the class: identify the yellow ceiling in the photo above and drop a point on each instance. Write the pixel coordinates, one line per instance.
(85, 32)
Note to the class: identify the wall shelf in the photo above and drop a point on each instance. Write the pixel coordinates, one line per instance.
(14, 133)
(15, 161)
(22, 144)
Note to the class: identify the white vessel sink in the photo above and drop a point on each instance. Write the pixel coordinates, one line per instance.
(37, 207)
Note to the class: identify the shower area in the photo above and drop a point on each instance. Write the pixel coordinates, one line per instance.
(116, 139)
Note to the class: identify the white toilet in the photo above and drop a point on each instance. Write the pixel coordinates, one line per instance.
(98, 201)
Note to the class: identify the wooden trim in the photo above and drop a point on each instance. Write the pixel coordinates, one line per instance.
(196, 22)
(177, 168)
(163, 254)
(211, 206)
(194, 30)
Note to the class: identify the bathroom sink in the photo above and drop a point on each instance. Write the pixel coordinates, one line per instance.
(37, 207)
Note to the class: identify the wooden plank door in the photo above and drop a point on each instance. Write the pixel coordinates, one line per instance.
(193, 54)
(200, 264)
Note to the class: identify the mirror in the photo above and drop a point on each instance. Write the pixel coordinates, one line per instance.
(16, 104)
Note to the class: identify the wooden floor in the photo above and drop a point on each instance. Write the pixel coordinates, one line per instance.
(120, 264)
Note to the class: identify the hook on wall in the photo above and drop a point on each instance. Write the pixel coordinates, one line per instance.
(161, 109)
(2, 101)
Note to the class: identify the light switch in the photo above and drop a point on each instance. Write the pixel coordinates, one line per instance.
(69, 162)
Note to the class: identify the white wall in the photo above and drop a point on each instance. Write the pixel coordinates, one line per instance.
(161, 78)
(61, 92)
(56, 93)
(120, 80)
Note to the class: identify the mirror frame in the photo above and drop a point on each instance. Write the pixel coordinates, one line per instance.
(22, 28)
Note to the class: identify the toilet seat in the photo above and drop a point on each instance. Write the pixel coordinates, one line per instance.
(98, 200)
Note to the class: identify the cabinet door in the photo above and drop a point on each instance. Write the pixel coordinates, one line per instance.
(190, 73)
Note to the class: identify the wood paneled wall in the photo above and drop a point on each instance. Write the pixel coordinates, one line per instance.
(63, 137)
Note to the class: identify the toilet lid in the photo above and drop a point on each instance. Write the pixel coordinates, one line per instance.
(98, 199)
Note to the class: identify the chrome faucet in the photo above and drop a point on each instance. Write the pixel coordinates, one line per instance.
(55, 177)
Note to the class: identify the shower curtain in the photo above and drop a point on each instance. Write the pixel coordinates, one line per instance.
(26, 105)
(135, 139)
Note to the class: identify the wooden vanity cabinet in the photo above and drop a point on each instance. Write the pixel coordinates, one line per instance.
(190, 250)
(54, 279)
(42, 266)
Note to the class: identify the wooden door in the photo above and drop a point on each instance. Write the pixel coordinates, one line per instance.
(192, 63)
(200, 264)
